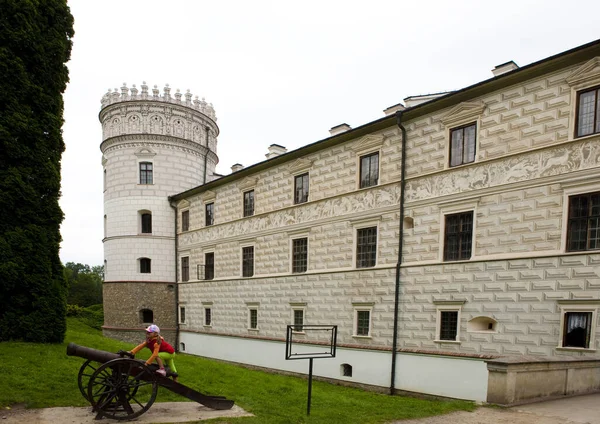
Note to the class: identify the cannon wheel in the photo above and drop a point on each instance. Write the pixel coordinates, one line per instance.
(83, 378)
(122, 389)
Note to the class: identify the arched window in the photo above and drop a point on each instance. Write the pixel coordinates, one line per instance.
(145, 265)
(146, 218)
(147, 316)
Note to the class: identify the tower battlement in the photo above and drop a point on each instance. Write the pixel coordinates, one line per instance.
(126, 94)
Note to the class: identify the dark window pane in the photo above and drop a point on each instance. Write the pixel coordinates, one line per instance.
(209, 266)
(249, 203)
(145, 266)
(448, 325)
(185, 221)
(185, 268)
(145, 172)
(366, 247)
(147, 315)
(209, 214)
(587, 113)
(146, 223)
(248, 261)
(182, 315)
(299, 255)
(583, 228)
(301, 189)
(458, 237)
(298, 319)
(369, 170)
(577, 330)
(253, 318)
(362, 323)
(207, 316)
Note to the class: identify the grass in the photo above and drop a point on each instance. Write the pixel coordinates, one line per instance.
(40, 375)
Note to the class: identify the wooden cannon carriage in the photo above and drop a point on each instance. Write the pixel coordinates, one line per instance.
(123, 388)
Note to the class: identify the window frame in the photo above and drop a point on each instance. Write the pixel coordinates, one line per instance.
(248, 203)
(148, 265)
(185, 268)
(589, 217)
(357, 261)
(143, 174)
(447, 306)
(252, 309)
(244, 265)
(578, 306)
(596, 118)
(304, 197)
(209, 222)
(182, 314)
(360, 308)
(462, 128)
(145, 224)
(360, 169)
(207, 312)
(206, 267)
(461, 234)
(293, 258)
(298, 308)
(185, 220)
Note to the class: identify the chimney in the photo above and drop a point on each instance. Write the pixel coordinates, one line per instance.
(338, 129)
(275, 150)
(237, 167)
(393, 109)
(504, 68)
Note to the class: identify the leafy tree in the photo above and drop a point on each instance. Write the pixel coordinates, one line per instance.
(35, 44)
(85, 284)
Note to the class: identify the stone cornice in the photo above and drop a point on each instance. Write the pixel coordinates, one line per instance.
(299, 166)
(368, 143)
(462, 113)
(587, 75)
(247, 183)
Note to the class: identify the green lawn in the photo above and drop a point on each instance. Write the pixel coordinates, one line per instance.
(40, 375)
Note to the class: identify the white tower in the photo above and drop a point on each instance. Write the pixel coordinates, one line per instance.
(153, 146)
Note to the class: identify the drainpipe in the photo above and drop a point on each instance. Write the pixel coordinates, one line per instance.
(400, 239)
(176, 283)
(206, 155)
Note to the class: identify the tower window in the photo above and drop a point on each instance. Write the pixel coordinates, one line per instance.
(146, 173)
(145, 266)
(146, 223)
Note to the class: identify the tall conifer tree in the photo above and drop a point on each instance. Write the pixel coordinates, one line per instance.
(35, 44)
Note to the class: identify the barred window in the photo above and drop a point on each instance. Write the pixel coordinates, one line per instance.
(363, 323)
(462, 148)
(145, 172)
(253, 318)
(366, 247)
(182, 315)
(301, 188)
(458, 237)
(208, 316)
(588, 112)
(209, 217)
(448, 325)
(369, 170)
(248, 261)
(146, 223)
(583, 231)
(185, 268)
(249, 203)
(299, 255)
(209, 266)
(185, 221)
(145, 265)
(298, 319)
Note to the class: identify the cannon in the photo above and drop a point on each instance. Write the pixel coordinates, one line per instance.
(123, 388)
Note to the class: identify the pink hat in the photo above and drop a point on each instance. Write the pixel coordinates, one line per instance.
(153, 329)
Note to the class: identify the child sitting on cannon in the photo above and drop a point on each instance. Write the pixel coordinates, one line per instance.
(161, 350)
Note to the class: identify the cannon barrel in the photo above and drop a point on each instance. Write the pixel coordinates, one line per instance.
(89, 353)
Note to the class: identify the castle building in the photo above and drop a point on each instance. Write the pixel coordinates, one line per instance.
(456, 233)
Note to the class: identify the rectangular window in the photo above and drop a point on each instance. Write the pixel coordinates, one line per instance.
(448, 325)
(588, 112)
(209, 217)
(366, 247)
(248, 261)
(577, 329)
(583, 230)
(299, 255)
(298, 319)
(249, 203)
(209, 266)
(185, 221)
(145, 172)
(145, 265)
(369, 170)
(301, 188)
(207, 317)
(146, 223)
(462, 148)
(458, 237)
(185, 268)
(253, 319)
(182, 315)
(363, 323)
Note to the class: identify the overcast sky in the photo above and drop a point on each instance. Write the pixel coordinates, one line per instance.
(285, 72)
